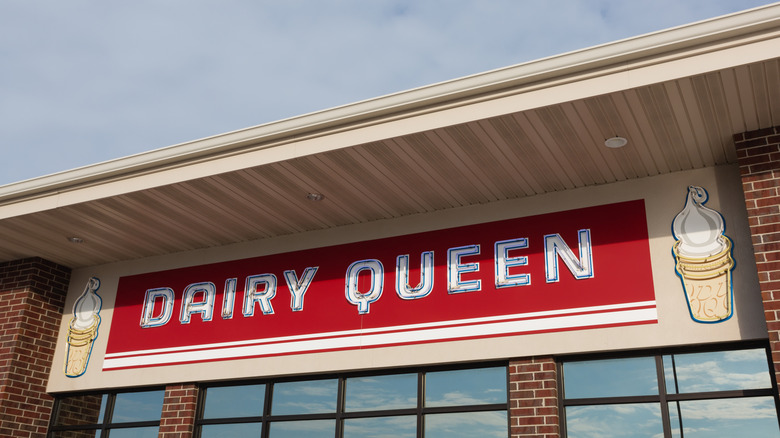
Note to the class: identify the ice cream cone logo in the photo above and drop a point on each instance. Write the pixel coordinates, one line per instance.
(703, 255)
(83, 329)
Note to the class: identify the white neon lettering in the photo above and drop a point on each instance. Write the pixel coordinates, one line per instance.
(299, 287)
(150, 299)
(554, 246)
(229, 298)
(252, 295)
(364, 299)
(190, 306)
(424, 287)
(504, 262)
(455, 269)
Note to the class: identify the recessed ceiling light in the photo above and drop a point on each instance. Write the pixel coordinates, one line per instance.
(74, 239)
(615, 142)
(315, 197)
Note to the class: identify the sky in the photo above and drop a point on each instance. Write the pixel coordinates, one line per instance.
(82, 82)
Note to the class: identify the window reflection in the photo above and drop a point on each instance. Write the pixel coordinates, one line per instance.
(81, 409)
(705, 396)
(381, 392)
(135, 432)
(465, 387)
(138, 406)
(247, 430)
(307, 429)
(614, 421)
(309, 397)
(610, 378)
(718, 371)
(234, 401)
(381, 427)
(74, 434)
(366, 406)
(94, 415)
(726, 418)
(467, 425)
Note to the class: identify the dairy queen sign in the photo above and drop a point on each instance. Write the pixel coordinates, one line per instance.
(568, 270)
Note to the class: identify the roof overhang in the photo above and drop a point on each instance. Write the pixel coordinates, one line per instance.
(677, 95)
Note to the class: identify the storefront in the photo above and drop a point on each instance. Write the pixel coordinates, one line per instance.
(581, 246)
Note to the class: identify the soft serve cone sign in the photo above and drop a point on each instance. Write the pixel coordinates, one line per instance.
(703, 259)
(83, 329)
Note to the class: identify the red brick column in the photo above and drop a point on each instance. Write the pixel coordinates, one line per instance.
(758, 153)
(533, 398)
(33, 295)
(179, 409)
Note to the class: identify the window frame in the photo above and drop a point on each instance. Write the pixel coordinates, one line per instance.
(664, 397)
(340, 415)
(103, 428)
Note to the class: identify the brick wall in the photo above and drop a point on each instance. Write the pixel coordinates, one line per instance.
(33, 295)
(533, 398)
(179, 408)
(758, 153)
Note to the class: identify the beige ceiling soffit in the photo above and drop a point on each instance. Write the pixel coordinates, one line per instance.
(620, 54)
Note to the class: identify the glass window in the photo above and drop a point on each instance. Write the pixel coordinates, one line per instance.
(610, 378)
(135, 432)
(308, 397)
(80, 409)
(717, 371)
(381, 427)
(459, 403)
(306, 428)
(467, 425)
(234, 401)
(125, 414)
(614, 421)
(138, 406)
(725, 418)
(708, 394)
(244, 430)
(381, 392)
(74, 434)
(465, 387)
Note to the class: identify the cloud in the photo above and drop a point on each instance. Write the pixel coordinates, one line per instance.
(84, 82)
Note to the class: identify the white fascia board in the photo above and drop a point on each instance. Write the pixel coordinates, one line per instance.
(418, 109)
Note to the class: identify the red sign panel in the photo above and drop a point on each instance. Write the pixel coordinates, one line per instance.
(570, 270)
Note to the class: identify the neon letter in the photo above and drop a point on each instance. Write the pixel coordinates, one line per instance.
(166, 295)
(354, 296)
(424, 287)
(252, 295)
(205, 307)
(456, 268)
(554, 246)
(229, 298)
(504, 262)
(298, 287)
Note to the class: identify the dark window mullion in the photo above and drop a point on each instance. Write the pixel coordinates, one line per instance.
(465, 408)
(677, 391)
(108, 414)
(420, 404)
(200, 408)
(561, 399)
(773, 378)
(268, 399)
(377, 414)
(665, 422)
(340, 404)
(714, 395)
(612, 400)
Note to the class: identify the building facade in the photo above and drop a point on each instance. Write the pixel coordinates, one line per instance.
(581, 246)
